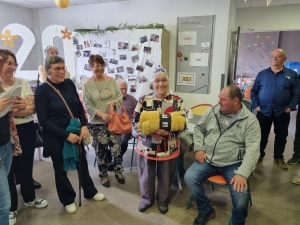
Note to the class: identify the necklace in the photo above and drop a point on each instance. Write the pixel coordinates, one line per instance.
(108, 94)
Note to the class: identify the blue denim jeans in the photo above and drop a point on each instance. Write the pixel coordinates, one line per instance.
(6, 157)
(197, 173)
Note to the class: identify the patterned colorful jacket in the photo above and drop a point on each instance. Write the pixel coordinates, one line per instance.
(148, 146)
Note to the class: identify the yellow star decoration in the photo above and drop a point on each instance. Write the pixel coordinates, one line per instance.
(66, 34)
(8, 39)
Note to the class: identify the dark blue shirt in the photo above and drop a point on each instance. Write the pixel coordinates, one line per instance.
(275, 92)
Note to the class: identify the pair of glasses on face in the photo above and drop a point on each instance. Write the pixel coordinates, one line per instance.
(276, 57)
(12, 64)
(162, 80)
(58, 69)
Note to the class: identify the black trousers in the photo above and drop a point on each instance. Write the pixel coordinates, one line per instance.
(22, 166)
(297, 137)
(281, 125)
(64, 188)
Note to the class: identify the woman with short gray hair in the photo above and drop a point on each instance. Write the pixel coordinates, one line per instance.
(54, 118)
(50, 50)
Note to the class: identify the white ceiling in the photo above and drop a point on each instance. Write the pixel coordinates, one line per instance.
(50, 3)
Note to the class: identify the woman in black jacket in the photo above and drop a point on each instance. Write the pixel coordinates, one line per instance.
(54, 118)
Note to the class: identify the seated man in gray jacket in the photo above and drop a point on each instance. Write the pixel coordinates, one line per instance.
(226, 142)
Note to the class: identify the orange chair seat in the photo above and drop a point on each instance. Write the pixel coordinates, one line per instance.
(217, 179)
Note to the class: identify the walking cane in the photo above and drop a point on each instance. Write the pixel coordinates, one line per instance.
(79, 172)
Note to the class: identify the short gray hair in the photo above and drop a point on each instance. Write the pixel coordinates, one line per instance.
(122, 82)
(52, 59)
(50, 47)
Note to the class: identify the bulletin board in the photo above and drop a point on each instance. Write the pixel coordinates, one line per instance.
(129, 55)
(193, 55)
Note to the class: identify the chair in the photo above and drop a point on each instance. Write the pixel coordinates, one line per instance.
(247, 92)
(248, 104)
(200, 109)
(219, 180)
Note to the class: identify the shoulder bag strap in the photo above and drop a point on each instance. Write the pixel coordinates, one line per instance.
(62, 98)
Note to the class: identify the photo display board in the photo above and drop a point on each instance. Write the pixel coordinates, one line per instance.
(129, 55)
(193, 55)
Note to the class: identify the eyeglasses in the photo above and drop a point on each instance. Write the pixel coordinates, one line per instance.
(11, 64)
(58, 69)
(276, 57)
(162, 80)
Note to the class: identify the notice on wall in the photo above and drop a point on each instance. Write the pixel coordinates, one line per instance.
(187, 38)
(199, 59)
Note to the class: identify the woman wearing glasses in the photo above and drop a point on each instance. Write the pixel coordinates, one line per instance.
(22, 165)
(50, 50)
(100, 95)
(54, 118)
(159, 150)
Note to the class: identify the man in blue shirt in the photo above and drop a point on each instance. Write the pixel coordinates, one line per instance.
(274, 95)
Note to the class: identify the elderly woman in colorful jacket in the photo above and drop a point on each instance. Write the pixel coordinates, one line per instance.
(157, 151)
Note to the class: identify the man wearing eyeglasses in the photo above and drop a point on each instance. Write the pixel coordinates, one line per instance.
(274, 95)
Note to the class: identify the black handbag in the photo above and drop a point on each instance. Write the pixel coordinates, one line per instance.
(39, 136)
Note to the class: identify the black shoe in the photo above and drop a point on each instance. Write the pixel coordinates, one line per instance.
(36, 184)
(293, 160)
(110, 167)
(105, 184)
(120, 180)
(163, 209)
(142, 207)
(202, 219)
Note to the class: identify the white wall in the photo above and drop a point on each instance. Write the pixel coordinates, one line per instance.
(269, 18)
(155, 11)
(25, 16)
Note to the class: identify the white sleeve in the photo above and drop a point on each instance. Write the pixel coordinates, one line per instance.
(26, 89)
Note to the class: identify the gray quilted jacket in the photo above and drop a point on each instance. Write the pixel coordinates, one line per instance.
(239, 142)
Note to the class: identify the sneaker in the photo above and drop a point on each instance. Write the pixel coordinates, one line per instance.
(281, 163)
(293, 161)
(37, 203)
(71, 208)
(12, 218)
(260, 159)
(296, 180)
(98, 197)
(202, 219)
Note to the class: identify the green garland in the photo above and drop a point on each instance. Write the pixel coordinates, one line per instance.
(124, 26)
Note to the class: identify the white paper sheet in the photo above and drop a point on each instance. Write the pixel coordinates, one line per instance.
(187, 38)
(198, 59)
